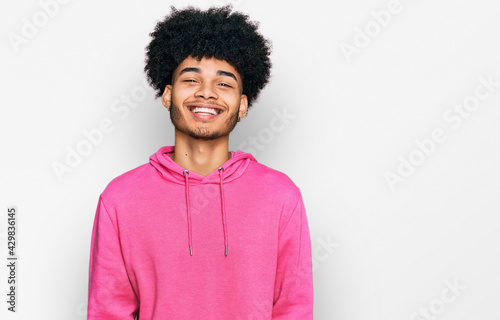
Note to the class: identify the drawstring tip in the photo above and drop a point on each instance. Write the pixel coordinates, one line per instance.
(226, 251)
(190, 250)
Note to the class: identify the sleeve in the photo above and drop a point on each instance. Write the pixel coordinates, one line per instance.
(293, 292)
(111, 295)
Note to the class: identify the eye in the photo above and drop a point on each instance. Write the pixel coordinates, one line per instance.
(223, 84)
(189, 80)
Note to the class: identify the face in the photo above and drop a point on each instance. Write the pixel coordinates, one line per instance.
(205, 98)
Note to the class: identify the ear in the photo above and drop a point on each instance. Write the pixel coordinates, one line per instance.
(243, 107)
(166, 97)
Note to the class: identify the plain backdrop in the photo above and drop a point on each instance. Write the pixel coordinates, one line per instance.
(385, 113)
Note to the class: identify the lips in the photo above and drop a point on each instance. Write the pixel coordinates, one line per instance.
(204, 111)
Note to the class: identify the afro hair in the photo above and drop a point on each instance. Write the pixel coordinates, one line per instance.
(215, 33)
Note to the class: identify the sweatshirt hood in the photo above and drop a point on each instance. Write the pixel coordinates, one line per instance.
(169, 170)
(227, 172)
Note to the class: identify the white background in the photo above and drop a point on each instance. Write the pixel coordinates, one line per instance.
(380, 252)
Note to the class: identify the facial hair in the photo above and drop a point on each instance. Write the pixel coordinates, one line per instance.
(202, 133)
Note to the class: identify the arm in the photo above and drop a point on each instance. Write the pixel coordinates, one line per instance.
(111, 295)
(293, 293)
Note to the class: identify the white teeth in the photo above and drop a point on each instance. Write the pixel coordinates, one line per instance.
(204, 110)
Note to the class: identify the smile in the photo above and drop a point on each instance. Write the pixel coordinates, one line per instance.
(205, 110)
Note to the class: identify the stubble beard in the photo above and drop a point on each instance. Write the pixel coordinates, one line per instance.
(202, 133)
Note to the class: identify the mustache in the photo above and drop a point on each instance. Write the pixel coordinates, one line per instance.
(203, 102)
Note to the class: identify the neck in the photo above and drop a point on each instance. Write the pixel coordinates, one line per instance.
(200, 156)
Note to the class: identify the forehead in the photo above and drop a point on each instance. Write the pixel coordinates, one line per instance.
(207, 66)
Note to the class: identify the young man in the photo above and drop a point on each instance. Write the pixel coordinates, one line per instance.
(200, 232)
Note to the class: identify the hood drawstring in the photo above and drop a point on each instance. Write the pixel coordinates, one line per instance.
(223, 209)
(185, 173)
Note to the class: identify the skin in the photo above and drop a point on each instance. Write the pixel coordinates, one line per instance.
(202, 141)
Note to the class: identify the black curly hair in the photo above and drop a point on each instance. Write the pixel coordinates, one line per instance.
(214, 33)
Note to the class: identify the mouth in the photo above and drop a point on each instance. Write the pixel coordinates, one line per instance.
(204, 112)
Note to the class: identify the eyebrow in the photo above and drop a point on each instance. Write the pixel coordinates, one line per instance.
(219, 72)
(227, 74)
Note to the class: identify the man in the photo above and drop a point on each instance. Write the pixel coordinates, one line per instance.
(200, 232)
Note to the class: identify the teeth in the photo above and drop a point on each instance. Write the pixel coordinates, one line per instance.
(205, 110)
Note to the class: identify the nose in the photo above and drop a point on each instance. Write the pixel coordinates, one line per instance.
(206, 90)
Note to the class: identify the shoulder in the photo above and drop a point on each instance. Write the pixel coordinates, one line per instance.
(278, 180)
(128, 182)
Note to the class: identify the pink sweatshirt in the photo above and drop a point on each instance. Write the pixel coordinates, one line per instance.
(173, 244)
